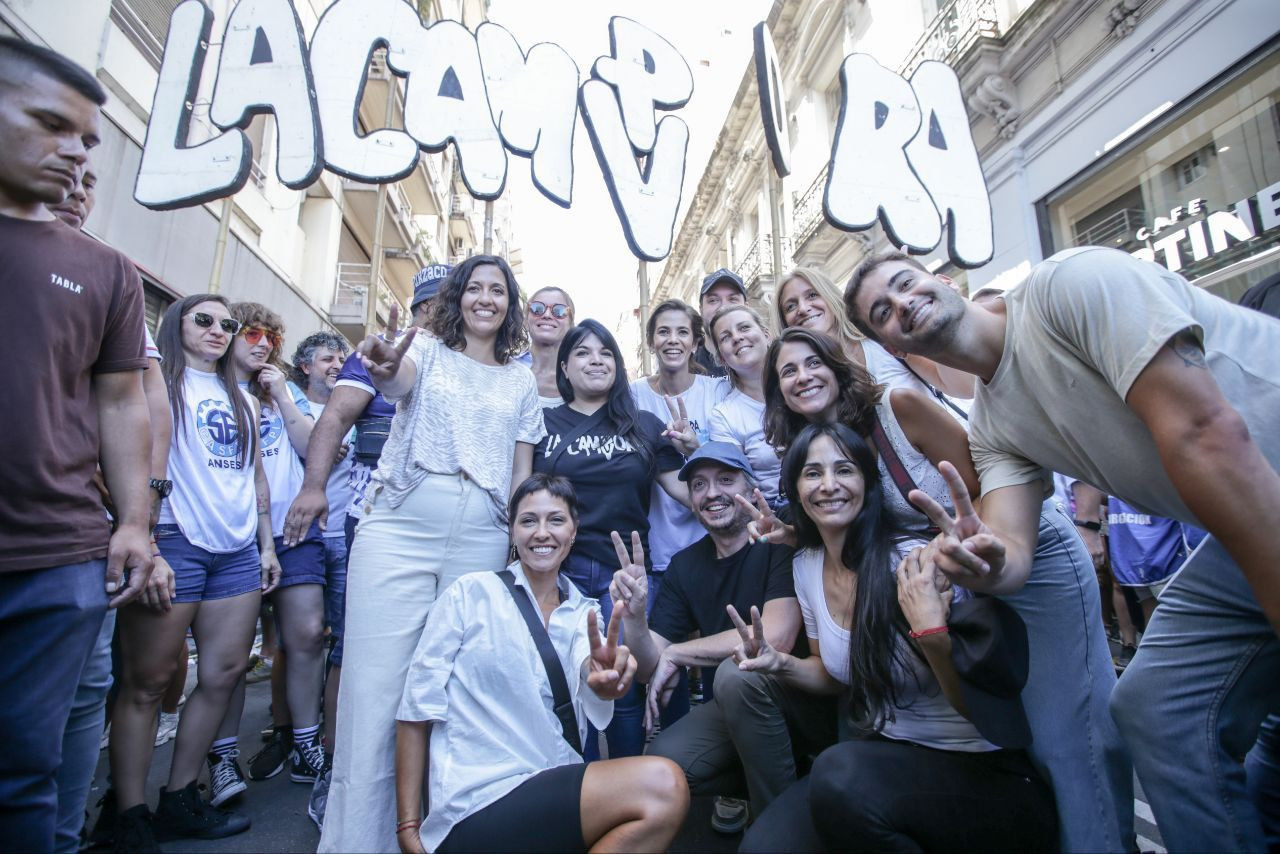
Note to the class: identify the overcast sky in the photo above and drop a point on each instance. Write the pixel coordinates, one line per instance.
(583, 249)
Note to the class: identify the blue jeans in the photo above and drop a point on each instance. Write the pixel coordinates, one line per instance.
(1076, 745)
(1263, 767)
(335, 585)
(82, 740)
(49, 620)
(1205, 677)
(625, 733)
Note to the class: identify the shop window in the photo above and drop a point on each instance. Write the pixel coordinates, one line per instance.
(1198, 194)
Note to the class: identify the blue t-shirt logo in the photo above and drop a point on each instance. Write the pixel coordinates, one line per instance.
(269, 429)
(216, 426)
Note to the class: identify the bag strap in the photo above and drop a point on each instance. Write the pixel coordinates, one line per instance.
(942, 398)
(584, 427)
(901, 477)
(563, 703)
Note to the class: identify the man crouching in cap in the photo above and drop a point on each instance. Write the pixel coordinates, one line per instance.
(723, 568)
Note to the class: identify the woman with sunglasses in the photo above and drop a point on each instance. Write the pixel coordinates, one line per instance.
(215, 533)
(740, 342)
(548, 317)
(284, 426)
(462, 439)
(808, 380)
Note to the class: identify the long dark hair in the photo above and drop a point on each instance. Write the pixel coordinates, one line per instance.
(869, 553)
(620, 408)
(695, 324)
(856, 391)
(446, 318)
(174, 366)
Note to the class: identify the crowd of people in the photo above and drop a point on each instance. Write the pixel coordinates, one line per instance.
(813, 566)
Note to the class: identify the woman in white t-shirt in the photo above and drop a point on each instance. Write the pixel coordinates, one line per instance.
(740, 341)
(917, 774)
(467, 420)
(215, 534)
(683, 397)
(284, 428)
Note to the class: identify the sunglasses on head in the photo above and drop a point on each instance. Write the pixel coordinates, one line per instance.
(538, 308)
(204, 320)
(253, 334)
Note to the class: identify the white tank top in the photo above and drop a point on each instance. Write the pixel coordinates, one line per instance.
(280, 462)
(212, 501)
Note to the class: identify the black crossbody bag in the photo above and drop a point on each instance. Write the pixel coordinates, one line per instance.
(563, 703)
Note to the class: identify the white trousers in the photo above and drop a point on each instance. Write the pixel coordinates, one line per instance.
(400, 560)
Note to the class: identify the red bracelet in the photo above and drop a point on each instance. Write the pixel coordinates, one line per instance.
(408, 823)
(936, 630)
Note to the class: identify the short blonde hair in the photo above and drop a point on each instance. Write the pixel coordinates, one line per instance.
(844, 329)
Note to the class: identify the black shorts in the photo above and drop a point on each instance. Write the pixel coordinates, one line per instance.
(544, 813)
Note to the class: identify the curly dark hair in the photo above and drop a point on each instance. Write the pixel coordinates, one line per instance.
(252, 314)
(857, 391)
(446, 317)
(305, 353)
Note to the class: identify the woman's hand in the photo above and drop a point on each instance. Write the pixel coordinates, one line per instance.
(410, 839)
(158, 592)
(679, 429)
(630, 585)
(381, 354)
(765, 526)
(270, 571)
(923, 603)
(755, 652)
(611, 667)
(273, 381)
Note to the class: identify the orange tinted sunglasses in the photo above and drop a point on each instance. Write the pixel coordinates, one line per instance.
(253, 334)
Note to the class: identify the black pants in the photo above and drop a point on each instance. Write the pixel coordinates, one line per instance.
(883, 795)
(544, 813)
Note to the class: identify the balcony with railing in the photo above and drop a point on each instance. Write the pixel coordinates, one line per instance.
(351, 290)
(807, 209)
(756, 267)
(958, 26)
(1116, 229)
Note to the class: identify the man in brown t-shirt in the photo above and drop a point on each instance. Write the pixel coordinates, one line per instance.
(71, 336)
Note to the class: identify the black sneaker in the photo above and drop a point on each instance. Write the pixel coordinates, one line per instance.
(271, 759)
(131, 831)
(225, 777)
(185, 815)
(319, 799)
(104, 829)
(306, 762)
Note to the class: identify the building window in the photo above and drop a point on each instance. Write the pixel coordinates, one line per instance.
(145, 23)
(1198, 194)
(155, 301)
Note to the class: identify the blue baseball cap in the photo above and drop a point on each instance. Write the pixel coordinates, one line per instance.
(426, 283)
(722, 275)
(725, 453)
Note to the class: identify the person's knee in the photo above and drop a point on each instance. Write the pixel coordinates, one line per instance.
(733, 686)
(665, 788)
(844, 790)
(1130, 702)
(145, 686)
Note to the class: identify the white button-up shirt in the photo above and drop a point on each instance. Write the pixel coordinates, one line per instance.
(477, 675)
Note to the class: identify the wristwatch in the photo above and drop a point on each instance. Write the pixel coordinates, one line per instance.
(162, 487)
(1088, 526)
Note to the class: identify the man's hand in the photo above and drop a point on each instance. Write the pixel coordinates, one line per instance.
(630, 585)
(380, 354)
(679, 430)
(270, 571)
(310, 505)
(755, 652)
(129, 551)
(765, 526)
(662, 684)
(965, 550)
(611, 667)
(160, 587)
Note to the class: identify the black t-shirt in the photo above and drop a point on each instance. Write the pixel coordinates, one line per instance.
(708, 362)
(698, 585)
(613, 480)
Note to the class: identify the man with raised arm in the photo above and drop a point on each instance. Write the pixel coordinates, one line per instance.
(750, 719)
(1119, 373)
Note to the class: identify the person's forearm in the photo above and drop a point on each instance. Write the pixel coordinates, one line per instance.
(1088, 502)
(399, 385)
(322, 450)
(125, 451)
(411, 764)
(937, 651)
(646, 646)
(809, 675)
(157, 395)
(521, 466)
(297, 425)
(705, 652)
(266, 539)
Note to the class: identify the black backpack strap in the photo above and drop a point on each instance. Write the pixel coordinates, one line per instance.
(584, 427)
(901, 477)
(555, 673)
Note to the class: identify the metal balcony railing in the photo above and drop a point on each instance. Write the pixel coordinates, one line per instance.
(1113, 230)
(808, 215)
(351, 289)
(957, 26)
(757, 263)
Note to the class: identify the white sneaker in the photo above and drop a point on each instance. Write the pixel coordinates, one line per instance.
(167, 729)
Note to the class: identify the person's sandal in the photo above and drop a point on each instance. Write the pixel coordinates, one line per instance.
(729, 815)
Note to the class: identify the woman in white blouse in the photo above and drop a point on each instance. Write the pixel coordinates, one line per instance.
(503, 776)
(466, 422)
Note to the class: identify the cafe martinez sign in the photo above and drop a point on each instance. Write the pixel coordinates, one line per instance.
(1193, 229)
(903, 155)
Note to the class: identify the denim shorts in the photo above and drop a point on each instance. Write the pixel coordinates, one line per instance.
(201, 575)
(335, 583)
(303, 563)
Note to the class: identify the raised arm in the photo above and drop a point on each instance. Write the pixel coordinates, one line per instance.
(296, 424)
(1213, 462)
(383, 357)
(344, 407)
(927, 608)
(934, 433)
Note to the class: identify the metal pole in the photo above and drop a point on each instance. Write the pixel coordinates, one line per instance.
(488, 228)
(220, 246)
(642, 279)
(772, 188)
(375, 263)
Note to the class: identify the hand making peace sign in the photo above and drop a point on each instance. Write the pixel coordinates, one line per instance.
(765, 526)
(630, 586)
(965, 550)
(611, 667)
(679, 430)
(381, 354)
(755, 652)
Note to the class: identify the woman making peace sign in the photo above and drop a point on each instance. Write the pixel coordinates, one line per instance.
(503, 775)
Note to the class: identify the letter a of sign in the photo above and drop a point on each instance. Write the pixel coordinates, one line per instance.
(174, 174)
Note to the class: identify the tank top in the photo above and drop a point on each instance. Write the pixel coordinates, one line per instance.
(213, 501)
(927, 477)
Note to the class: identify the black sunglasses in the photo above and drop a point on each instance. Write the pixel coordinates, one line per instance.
(204, 320)
(537, 308)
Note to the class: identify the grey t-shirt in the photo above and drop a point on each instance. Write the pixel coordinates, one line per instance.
(1079, 331)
